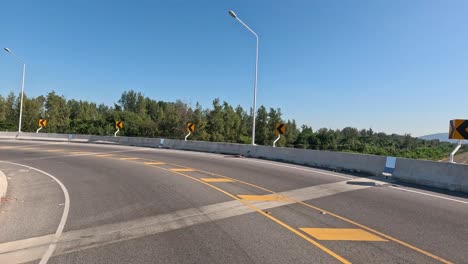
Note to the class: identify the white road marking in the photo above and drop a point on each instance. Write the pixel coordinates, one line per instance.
(297, 168)
(428, 194)
(63, 220)
(28, 249)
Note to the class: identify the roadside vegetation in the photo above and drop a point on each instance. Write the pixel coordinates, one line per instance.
(145, 117)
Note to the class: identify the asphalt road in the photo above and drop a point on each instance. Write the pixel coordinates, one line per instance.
(83, 203)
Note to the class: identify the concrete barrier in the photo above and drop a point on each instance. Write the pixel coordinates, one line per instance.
(8, 135)
(435, 174)
(429, 173)
(365, 164)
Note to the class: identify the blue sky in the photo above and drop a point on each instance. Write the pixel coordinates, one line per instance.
(395, 66)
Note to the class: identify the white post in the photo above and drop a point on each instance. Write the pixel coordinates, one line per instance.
(37, 131)
(21, 102)
(231, 13)
(255, 93)
(187, 135)
(22, 86)
(274, 142)
(455, 151)
(115, 134)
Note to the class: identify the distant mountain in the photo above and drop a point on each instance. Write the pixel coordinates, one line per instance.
(443, 137)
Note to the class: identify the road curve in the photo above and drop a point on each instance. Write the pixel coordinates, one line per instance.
(143, 205)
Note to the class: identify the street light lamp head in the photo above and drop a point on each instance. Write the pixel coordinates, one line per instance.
(231, 13)
(7, 50)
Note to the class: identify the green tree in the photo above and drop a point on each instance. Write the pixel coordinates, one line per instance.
(57, 113)
(215, 126)
(200, 120)
(232, 122)
(244, 130)
(262, 129)
(33, 110)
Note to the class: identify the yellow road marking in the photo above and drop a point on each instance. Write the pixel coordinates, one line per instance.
(129, 158)
(104, 155)
(28, 148)
(379, 233)
(79, 152)
(182, 170)
(154, 163)
(55, 150)
(223, 176)
(262, 197)
(315, 208)
(216, 180)
(348, 234)
(339, 217)
(315, 243)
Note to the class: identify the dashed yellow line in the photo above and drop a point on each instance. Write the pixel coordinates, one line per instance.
(154, 163)
(104, 155)
(133, 158)
(55, 150)
(28, 148)
(216, 180)
(182, 170)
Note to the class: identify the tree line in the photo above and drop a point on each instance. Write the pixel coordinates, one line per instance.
(145, 117)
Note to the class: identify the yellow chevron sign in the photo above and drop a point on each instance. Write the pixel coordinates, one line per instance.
(280, 129)
(42, 122)
(119, 124)
(458, 129)
(190, 127)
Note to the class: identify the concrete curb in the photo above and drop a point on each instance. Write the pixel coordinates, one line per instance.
(3, 184)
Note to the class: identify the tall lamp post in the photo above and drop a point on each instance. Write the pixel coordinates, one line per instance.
(231, 13)
(22, 86)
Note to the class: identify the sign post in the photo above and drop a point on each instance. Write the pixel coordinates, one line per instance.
(118, 125)
(190, 128)
(458, 130)
(279, 130)
(42, 123)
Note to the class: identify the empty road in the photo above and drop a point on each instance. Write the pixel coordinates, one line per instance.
(85, 203)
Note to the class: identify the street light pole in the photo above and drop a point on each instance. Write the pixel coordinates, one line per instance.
(22, 87)
(231, 13)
